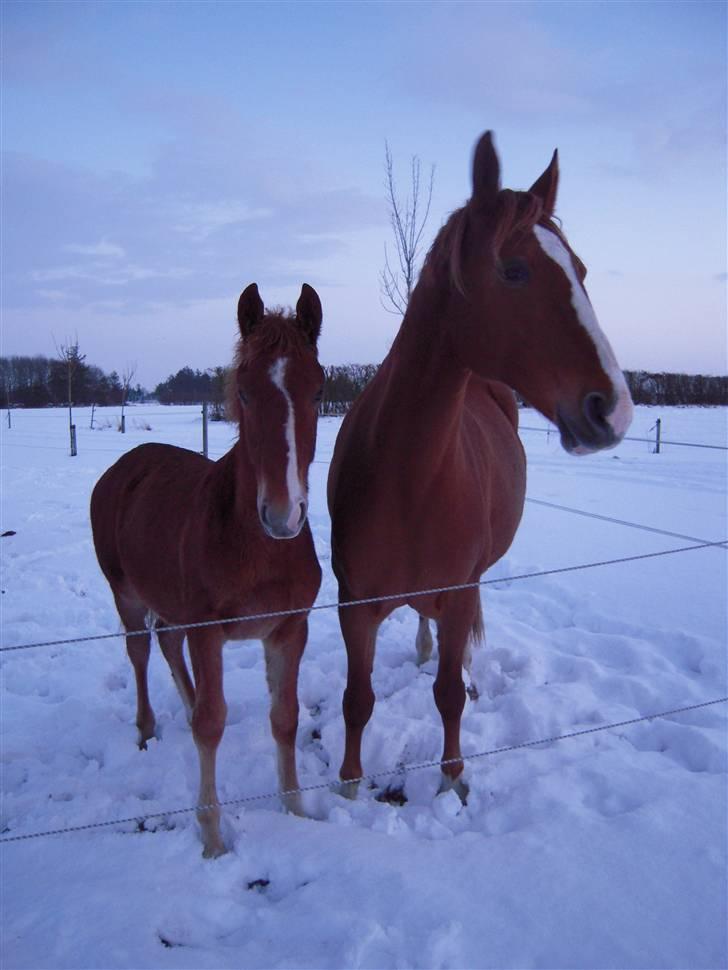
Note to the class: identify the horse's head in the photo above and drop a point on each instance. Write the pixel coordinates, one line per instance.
(276, 389)
(524, 317)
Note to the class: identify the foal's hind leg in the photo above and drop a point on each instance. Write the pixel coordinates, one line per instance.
(172, 643)
(283, 651)
(133, 615)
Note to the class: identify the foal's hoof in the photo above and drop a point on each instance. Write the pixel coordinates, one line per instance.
(458, 785)
(214, 850)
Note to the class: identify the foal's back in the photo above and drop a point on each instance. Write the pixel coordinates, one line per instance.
(144, 511)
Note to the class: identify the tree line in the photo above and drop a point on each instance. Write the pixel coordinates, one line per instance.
(43, 381)
(39, 381)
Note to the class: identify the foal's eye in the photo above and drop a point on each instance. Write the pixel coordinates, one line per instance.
(515, 272)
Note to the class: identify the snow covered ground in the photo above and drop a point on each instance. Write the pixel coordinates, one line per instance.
(607, 850)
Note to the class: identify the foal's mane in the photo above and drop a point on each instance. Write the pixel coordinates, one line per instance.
(278, 332)
(514, 213)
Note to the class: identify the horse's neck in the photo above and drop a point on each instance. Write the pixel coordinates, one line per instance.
(424, 379)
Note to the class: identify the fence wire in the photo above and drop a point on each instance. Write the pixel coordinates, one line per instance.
(367, 601)
(400, 769)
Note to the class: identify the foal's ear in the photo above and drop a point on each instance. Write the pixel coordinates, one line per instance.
(250, 310)
(546, 185)
(486, 171)
(309, 313)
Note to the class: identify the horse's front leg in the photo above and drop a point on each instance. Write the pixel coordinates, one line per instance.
(208, 724)
(453, 632)
(359, 625)
(283, 651)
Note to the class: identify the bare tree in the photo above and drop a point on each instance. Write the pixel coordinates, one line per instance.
(127, 376)
(70, 355)
(407, 217)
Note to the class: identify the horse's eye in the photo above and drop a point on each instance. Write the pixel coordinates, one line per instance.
(515, 272)
(243, 398)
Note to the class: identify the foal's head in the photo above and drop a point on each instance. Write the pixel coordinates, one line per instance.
(522, 315)
(276, 389)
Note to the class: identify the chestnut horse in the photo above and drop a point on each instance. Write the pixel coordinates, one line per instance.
(188, 539)
(427, 482)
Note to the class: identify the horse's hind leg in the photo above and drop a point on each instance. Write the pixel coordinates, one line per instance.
(133, 615)
(172, 644)
(283, 651)
(423, 641)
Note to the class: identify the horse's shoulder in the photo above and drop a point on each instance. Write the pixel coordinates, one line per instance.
(483, 395)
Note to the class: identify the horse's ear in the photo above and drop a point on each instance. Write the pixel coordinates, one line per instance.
(546, 185)
(309, 313)
(486, 171)
(250, 310)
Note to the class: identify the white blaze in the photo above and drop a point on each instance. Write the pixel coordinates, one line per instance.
(621, 417)
(293, 484)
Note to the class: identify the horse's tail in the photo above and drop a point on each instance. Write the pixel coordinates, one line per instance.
(477, 631)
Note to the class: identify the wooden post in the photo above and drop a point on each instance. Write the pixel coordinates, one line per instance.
(10, 424)
(93, 409)
(204, 428)
(658, 425)
(123, 423)
(74, 451)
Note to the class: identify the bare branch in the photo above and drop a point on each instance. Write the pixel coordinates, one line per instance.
(396, 286)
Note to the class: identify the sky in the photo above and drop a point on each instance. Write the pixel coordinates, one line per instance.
(158, 157)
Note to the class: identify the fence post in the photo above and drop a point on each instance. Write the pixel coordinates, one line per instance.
(9, 421)
(204, 428)
(74, 452)
(123, 423)
(658, 424)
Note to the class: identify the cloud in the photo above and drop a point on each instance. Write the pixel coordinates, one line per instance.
(103, 249)
(200, 222)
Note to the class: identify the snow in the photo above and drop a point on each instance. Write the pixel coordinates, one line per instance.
(607, 850)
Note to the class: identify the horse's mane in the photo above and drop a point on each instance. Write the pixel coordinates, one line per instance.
(278, 332)
(515, 212)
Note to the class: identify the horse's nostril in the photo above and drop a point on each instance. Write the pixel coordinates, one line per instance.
(596, 408)
(264, 515)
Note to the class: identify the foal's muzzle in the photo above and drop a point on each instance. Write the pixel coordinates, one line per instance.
(283, 523)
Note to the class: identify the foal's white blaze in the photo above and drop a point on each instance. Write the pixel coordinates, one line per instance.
(621, 418)
(293, 482)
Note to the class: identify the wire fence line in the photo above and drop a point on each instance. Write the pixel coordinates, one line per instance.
(400, 770)
(367, 601)
(625, 522)
(649, 441)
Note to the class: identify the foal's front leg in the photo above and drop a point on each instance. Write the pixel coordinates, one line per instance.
(283, 651)
(208, 724)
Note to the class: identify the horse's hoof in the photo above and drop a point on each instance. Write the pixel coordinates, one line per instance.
(349, 789)
(458, 785)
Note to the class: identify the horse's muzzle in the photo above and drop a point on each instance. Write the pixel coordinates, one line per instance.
(285, 523)
(590, 429)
